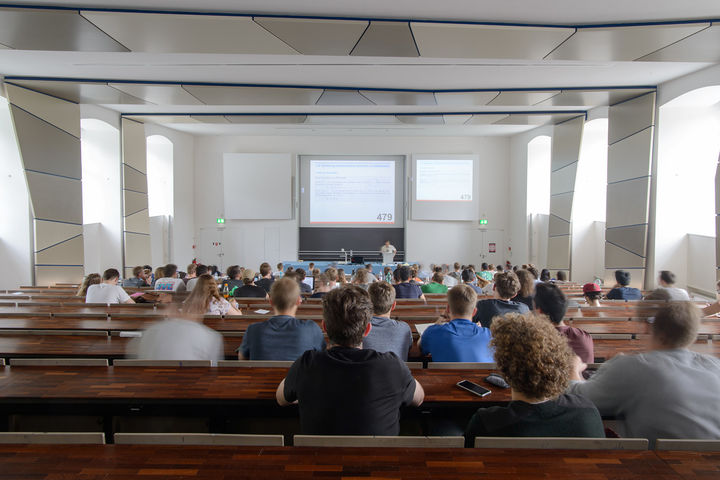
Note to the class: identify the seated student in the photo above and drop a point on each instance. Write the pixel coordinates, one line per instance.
(592, 294)
(322, 286)
(414, 276)
(459, 340)
(621, 291)
(405, 289)
(468, 277)
(348, 390)
(159, 273)
(249, 289)
(535, 361)
(668, 392)
(362, 279)
(667, 282)
(280, 271)
(266, 277)
(205, 299)
(545, 275)
(387, 335)
(456, 273)
(388, 275)
(139, 279)
(506, 287)
(282, 336)
(299, 277)
(170, 282)
(332, 275)
(369, 269)
(550, 300)
(485, 272)
(527, 288)
(561, 276)
(191, 273)
(90, 279)
(199, 271)
(436, 286)
(233, 280)
(108, 291)
(341, 278)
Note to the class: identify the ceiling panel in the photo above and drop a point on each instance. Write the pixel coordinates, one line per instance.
(86, 92)
(174, 33)
(343, 97)
(386, 39)
(215, 95)
(487, 41)
(422, 119)
(523, 99)
(487, 119)
(621, 43)
(210, 118)
(54, 30)
(700, 47)
(540, 119)
(250, 119)
(162, 118)
(353, 120)
(462, 99)
(158, 94)
(591, 98)
(316, 36)
(382, 97)
(456, 119)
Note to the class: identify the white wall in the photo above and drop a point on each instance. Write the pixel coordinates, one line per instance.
(700, 272)
(15, 242)
(251, 242)
(182, 230)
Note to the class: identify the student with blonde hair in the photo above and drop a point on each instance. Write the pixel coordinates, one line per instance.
(90, 279)
(205, 299)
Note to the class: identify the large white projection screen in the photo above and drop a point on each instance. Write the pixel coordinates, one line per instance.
(352, 191)
(444, 187)
(258, 186)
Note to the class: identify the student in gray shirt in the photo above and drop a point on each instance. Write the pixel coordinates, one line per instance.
(386, 335)
(669, 392)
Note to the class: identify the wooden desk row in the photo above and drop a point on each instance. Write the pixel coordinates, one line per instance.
(120, 462)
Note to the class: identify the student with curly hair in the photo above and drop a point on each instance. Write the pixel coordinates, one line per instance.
(536, 362)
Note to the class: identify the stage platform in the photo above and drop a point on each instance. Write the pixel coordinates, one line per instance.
(377, 268)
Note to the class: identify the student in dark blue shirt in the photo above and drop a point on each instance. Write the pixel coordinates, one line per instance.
(405, 289)
(281, 337)
(459, 340)
(621, 291)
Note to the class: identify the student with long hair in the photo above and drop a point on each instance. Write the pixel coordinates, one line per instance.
(91, 279)
(205, 299)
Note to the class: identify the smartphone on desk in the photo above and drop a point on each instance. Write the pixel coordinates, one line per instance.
(473, 388)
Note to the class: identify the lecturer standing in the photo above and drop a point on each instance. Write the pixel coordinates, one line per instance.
(388, 252)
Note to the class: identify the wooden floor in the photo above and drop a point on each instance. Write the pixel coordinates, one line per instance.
(124, 462)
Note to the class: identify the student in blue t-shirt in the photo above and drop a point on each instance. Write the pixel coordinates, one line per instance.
(281, 337)
(621, 291)
(459, 340)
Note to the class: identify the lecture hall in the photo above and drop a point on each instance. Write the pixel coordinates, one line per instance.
(390, 240)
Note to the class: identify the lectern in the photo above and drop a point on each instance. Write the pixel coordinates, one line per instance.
(388, 256)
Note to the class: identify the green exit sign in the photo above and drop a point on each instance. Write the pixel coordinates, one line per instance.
(221, 220)
(483, 221)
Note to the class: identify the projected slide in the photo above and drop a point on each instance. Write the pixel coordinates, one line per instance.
(352, 192)
(444, 180)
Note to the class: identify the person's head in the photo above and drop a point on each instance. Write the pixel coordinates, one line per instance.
(341, 276)
(362, 277)
(532, 355)
(467, 275)
(191, 270)
(413, 273)
(499, 268)
(592, 292)
(299, 274)
(438, 277)
(507, 285)
(382, 296)
(201, 269)
(90, 279)
(314, 272)
(139, 272)
(248, 276)
(233, 272)
(323, 283)
(347, 312)
(265, 269)
(456, 266)
(491, 267)
(279, 267)
(484, 266)
(676, 326)
(527, 283)
(199, 299)
(532, 269)
(461, 301)
(545, 275)
(369, 267)
(551, 301)
(111, 275)
(387, 242)
(561, 276)
(437, 268)
(667, 278)
(285, 296)
(387, 270)
(403, 273)
(290, 269)
(159, 273)
(311, 266)
(658, 294)
(622, 277)
(171, 270)
(332, 274)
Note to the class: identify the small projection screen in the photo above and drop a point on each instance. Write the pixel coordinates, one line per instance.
(444, 187)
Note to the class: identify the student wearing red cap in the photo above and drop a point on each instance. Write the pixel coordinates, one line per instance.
(592, 293)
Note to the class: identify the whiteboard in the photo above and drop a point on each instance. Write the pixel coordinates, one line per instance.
(257, 186)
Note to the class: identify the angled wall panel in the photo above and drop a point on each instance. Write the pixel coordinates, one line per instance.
(631, 130)
(47, 130)
(717, 219)
(566, 141)
(136, 224)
